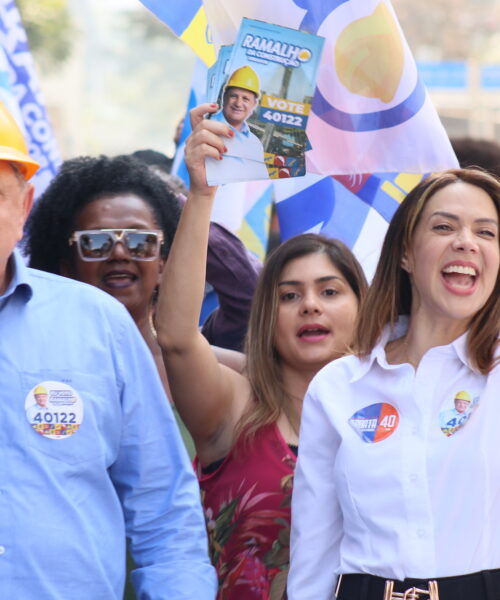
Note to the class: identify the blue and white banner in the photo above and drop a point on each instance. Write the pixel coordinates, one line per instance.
(373, 129)
(371, 111)
(355, 209)
(21, 94)
(188, 21)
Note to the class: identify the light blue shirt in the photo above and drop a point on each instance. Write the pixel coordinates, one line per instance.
(67, 504)
(243, 161)
(451, 418)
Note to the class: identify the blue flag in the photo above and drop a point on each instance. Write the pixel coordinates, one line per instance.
(21, 94)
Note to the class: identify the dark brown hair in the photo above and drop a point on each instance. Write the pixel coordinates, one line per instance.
(263, 361)
(390, 293)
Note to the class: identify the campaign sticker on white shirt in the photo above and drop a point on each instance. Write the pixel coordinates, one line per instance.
(376, 422)
(54, 409)
(455, 416)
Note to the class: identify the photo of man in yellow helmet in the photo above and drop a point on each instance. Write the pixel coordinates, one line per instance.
(452, 419)
(245, 152)
(240, 97)
(41, 397)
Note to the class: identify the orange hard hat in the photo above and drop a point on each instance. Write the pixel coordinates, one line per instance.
(13, 146)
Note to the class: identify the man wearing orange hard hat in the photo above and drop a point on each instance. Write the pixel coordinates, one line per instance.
(16, 167)
(13, 147)
(86, 432)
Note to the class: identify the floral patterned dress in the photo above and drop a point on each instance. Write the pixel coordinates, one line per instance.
(247, 508)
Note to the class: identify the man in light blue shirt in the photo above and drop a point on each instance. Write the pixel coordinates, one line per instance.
(244, 159)
(104, 461)
(36, 411)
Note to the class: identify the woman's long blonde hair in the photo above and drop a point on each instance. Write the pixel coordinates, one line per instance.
(390, 293)
(263, 361)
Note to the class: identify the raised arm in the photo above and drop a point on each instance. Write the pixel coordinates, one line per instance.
(210, 397)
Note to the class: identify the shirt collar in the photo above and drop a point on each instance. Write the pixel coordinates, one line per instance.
(378, 352)
(458, 347)
(245, 130)
(20, 280)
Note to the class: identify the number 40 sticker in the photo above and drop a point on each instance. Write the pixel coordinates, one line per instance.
(388, 422)
(376, 422)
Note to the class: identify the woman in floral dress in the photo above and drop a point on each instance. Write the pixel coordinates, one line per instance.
(245, 426)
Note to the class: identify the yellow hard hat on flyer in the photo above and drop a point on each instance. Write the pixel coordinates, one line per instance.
(13, 146)
(245, 78)
(463, 396)
(40, 389)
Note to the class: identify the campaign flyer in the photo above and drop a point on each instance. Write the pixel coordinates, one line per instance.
(264, 84)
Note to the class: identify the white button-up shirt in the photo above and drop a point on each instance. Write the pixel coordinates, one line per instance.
(385, 489)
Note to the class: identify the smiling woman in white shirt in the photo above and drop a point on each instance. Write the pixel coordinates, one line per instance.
(391, 499)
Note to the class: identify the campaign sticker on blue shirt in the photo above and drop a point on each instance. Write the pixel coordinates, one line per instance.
(376, 422)
(54, 410)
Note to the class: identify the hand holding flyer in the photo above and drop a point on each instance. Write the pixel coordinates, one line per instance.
(206, 142)
(264, 84)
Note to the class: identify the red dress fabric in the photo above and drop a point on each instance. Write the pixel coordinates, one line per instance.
(247, 508)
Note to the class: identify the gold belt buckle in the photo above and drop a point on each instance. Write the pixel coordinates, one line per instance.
(412, 593)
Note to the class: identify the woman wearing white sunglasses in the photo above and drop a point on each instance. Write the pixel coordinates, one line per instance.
(109, 222)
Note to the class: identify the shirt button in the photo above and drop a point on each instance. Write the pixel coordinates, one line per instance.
(2, 550)
(420, 533)
(413, 477)
(414, 430)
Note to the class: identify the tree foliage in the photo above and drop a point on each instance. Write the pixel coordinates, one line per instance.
(146, 26)
(49, 29)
